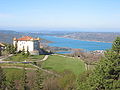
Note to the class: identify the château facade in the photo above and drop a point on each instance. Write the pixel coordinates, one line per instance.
(27, 43)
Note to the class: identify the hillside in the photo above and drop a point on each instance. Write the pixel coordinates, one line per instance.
(7, 35)
(91, 36)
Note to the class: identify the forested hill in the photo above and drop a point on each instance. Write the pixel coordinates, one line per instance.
(6, 36)
(92, 36)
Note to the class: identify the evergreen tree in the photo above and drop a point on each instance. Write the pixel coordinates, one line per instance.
(11, 85)
(2, 79)
(23, 51)
(27, 54)
(106, 75)
(24, 80)
(116, 45)
(10, 49)
(39, 80)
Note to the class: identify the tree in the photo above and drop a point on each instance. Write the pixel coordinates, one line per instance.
(67, 81)
(2, 79)
(106, 72)
(116, 45)
(11, 85)
(24, 79)
(23, 51)
(10, 49)
(27, 54)
(39, 80)
(106, 75)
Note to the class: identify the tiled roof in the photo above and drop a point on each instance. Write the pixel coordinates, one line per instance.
(26, 38)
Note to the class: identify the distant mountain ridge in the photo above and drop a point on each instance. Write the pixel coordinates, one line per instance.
(92, 36)
(6, 36)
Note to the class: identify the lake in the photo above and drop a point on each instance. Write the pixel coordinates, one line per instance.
(71, 43)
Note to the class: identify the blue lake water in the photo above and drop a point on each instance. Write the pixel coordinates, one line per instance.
(71, 43)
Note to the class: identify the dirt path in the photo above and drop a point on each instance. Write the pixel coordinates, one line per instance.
(47, 71)
(18, 67)
(4, 57)
(45, 58)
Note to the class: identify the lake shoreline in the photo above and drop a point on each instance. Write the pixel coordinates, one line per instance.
(74, 43)
(83, 40)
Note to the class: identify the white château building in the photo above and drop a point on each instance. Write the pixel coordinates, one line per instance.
(27, 43)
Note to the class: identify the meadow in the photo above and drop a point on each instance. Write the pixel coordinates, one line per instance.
(60, 64)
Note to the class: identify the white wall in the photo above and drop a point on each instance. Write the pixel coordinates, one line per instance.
(30, 45)
(26, 44)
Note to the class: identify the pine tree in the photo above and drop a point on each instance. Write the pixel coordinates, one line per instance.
(39, 80)
(106, 75)
(12, 85)
(2, 79)
(23, 51)
(116, 45)
(27, 54)
(24, 80)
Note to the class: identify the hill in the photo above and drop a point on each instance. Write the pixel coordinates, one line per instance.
(91, 36)
(6, 36)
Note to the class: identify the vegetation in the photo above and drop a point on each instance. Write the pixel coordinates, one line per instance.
(39, 80)
(17, 57)
(106, 75)
(10, 49)
(24, 57)
(2, 79)
(71, 73)
(60, 64)
(17, 65)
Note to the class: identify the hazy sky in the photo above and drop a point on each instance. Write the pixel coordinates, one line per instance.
(60, 14)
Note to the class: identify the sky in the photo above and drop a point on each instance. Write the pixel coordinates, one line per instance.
(84, 15)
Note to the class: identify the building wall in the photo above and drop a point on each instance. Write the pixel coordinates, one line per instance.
(27, 45)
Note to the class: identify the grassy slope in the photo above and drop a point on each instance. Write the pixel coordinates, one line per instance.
(17, 65)
(20, 57)
(59, 64)
(13, 71)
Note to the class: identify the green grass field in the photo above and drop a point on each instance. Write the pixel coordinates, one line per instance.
(35, 57)
(13, 72)
(20, 58)
(17, 65)
(60, 64)
(17, 57)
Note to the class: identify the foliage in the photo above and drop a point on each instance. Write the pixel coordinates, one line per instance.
(24, 80)
(67, 81)
(16, 57)
(39, 80)
(106, 75)
(12, 85)
(2, 79)
(10, 49)
(116, 45)
(23, 51)
(82, 81)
